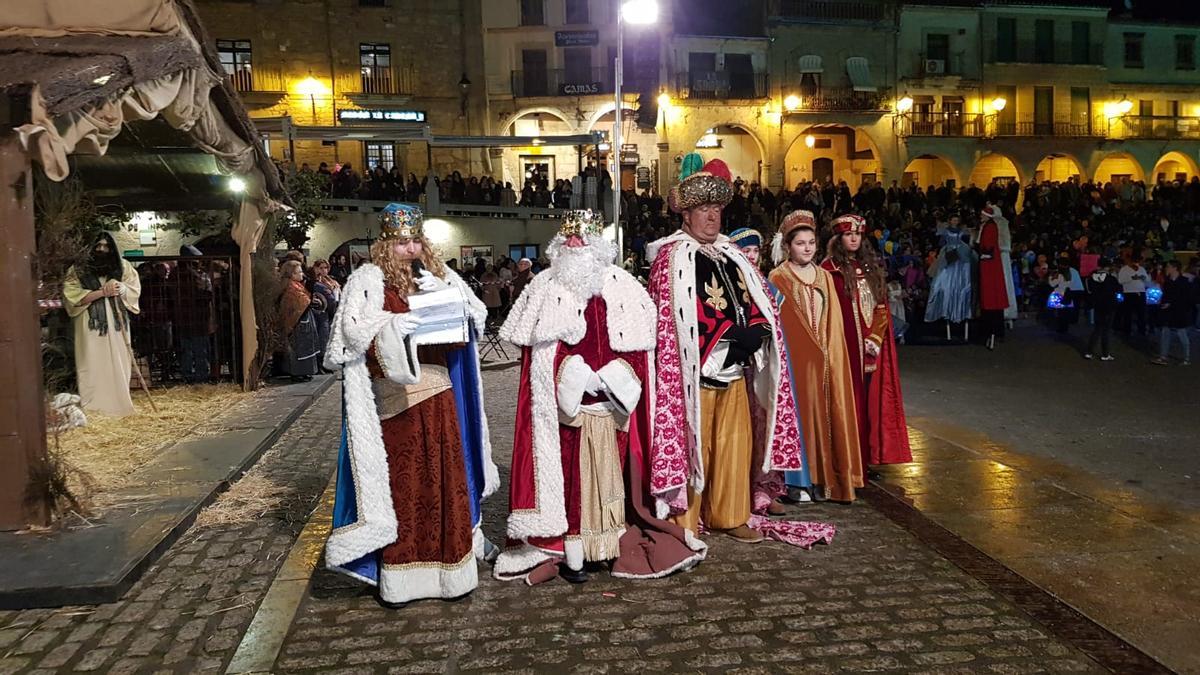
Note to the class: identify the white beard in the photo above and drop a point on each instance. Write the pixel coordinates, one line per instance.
(581, 269)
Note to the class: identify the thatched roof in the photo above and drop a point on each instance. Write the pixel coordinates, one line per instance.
(72, 73)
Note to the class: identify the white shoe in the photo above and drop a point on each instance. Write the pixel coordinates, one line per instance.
(1088, 356)
(1108, 358)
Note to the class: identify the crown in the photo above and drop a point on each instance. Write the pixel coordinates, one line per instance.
(401, 221)
(582, 222)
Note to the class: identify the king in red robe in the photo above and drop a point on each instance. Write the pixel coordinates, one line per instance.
(883, 430)
(579, 490)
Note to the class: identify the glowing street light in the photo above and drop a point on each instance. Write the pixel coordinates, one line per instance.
(638, 13)
(810, 141)
(664, 100)
(792, 102)
(904, 105)
(236, 185)
(998, 103)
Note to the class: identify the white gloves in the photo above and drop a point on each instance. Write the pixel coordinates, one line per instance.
(594, 385)
(406, 323)
(428, 282)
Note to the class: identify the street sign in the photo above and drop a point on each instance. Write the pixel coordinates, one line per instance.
(576, 38)
(643, 177)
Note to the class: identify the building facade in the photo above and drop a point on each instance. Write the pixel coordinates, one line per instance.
(356, 79)
(926, 91)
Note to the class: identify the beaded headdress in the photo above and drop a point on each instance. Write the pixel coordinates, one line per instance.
(712, 184)
(582, 222)
(849, 223)
(401, 221)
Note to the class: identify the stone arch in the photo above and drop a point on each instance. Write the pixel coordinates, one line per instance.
(1118, 164)
(930, 169)
(1172, 164)
(606, 109)
(992, 165)
(554, 112)
(848, 163)
(743, 169)
(1058, 167)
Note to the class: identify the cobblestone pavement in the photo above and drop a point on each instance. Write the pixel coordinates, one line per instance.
(876, 600)
(188, 612)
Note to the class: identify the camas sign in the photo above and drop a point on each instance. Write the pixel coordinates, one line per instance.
(578, 88)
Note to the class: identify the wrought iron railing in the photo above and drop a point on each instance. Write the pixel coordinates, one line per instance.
(1154, 126)
(1030, 125)
(941, 124)
(832, 10)
(721, 84)
(246, 80)
(827, 99)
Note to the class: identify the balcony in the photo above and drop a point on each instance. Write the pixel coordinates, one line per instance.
(1027, 125)
(828, 99)
(831, 11)
(1154, 127)
(721, 84)
(564, 82)
(376, 82)
(247, 80)
(962, 125)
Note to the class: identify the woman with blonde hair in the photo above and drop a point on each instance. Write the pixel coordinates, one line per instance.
(415, 459)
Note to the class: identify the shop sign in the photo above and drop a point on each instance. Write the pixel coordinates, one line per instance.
(576, 38)
(381, 116)
(578, 88)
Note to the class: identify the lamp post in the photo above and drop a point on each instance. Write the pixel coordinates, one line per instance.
(637, 12)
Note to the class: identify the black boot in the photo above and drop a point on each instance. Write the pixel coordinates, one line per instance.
(573, 576)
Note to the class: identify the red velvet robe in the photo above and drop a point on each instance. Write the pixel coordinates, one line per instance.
(650, 547)
(993, 289)
(883, 430)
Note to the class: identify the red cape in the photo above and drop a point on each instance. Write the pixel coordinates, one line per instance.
(882, 427)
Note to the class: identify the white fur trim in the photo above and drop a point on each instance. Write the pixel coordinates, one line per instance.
(765, 381)
(547, 311)
(359, 317)
(573, 376)
(573, 547)
(548, 518)
(376, 523)
(518, 561)
(417, 581)
(397, 355)
(624, 387)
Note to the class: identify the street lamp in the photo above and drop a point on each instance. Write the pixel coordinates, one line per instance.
(999, 103)
(904, 104)
(638, 13)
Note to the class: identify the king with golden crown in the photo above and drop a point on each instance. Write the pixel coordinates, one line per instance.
(579, 494)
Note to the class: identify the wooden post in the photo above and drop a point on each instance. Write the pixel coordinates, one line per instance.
(22, 405)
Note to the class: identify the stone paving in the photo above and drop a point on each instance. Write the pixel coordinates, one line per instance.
(189, 611)
(876, 600)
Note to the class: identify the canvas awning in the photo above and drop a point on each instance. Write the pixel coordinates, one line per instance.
(88, 69)
(859, 71)
(810, 63)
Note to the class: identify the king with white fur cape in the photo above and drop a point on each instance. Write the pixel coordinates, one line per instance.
(364, 521)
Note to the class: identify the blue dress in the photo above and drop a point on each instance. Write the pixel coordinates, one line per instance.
(950, 293)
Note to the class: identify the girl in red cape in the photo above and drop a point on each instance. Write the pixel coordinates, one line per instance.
(859, 280)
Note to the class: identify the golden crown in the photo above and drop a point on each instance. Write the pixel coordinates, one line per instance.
(582, 222)
(404, 222)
